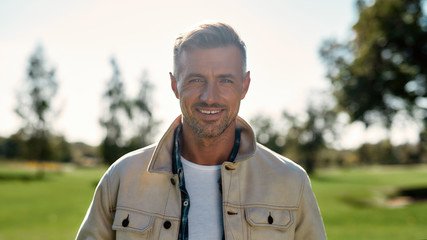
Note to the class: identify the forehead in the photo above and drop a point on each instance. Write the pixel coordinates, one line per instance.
(226, 59)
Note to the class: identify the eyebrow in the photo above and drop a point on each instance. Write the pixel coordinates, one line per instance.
(192, 75)
(225, 76)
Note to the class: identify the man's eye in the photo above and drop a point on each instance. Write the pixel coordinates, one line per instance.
(195, 80)
(226, 80)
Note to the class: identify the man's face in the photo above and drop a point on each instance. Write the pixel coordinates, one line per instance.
(210, 85)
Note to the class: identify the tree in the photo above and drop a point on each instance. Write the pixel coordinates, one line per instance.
(129, 122)
(61, 149)
(379, 153)
(268, 134)
(311, 134)
(117, 108)
(35, 105)
(301, 137)
(142, 115)
(382, 71)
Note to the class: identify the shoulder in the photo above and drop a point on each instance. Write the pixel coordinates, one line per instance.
(136, 160)
(275, 179)
(277, 163)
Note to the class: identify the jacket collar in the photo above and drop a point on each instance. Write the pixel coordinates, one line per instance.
(161, 160)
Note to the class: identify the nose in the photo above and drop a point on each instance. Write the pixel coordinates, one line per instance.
(210, 93)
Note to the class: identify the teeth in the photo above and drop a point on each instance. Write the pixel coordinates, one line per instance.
(209, 112)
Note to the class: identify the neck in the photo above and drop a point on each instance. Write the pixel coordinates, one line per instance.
(207, 151)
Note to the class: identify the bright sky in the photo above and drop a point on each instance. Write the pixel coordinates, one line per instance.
(79, 37)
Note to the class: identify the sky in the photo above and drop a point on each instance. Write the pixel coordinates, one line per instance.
(79, 37)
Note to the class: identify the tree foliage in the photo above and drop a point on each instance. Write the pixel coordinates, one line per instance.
(116, 109)
(309, 137)
(123, 114)
(143, 122)
(268, 133)
(35, 106)
(300, 137)
(382, 71)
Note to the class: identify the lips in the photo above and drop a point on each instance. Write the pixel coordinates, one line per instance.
(209, 112)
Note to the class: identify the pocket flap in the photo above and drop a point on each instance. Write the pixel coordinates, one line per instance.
(264, 217)
(126, 220)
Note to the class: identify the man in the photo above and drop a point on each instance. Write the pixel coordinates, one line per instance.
(206, 178)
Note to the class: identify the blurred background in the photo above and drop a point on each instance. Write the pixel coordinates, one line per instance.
(339, 86)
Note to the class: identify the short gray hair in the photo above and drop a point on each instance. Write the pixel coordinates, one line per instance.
(210, 35)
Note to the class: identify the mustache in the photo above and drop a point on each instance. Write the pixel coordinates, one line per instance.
(206, 105)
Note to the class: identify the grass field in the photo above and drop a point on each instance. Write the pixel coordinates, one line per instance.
(51, 208)
(353, 202)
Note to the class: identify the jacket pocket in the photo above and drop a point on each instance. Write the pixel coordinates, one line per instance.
(264, 223)
(131, 225)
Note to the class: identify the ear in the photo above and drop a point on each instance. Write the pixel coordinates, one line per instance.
(174, 85)
(246, 83)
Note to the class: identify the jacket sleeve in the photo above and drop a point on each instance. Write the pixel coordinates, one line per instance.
(309, 225)
(98, 221)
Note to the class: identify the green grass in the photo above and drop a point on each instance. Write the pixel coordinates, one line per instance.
(351, 201)
(49, 208)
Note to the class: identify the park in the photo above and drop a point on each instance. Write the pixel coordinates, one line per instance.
(376, 79)
(356, 203)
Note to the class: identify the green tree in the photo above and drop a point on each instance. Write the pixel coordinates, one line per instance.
(117, 110)
(300, 137)
(61, 149)
(11, 147)
(378, 153)
(35, 106)
(268, 133)
(382, 71)
(144, 124)
(310, 135)
(129, 122)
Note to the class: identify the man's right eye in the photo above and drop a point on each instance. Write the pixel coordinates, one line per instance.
(195, 80)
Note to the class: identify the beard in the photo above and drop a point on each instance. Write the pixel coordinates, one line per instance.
(210, 129)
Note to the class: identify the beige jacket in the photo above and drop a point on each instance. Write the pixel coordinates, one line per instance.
(265, 196)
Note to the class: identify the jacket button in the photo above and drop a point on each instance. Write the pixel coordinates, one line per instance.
(270, 219)
(173, 181)
(230, 167)
(185, 203)
(167, 224)
(125, 222)
(231, 212)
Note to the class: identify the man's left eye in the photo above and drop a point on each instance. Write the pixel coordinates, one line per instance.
(226, 80)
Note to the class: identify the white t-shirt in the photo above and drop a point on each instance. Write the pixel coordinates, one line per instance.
(205, 215)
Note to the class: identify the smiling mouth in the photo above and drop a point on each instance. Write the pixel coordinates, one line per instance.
(209, 112)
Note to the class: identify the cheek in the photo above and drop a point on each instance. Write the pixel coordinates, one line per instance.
(186, 99)
(234, 96)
